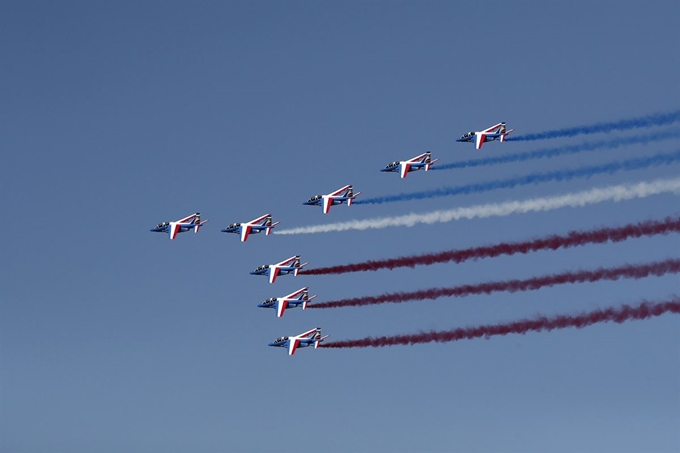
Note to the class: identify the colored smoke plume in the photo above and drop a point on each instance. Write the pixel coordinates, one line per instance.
(617, 193)
(547, 153)
(554, 242)
(657, 119)
(632, 271)
(637, 163)
(618, 315)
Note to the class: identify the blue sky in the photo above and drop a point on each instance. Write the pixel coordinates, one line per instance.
(118, 115)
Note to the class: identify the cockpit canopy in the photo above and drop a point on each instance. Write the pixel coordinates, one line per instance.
(315, 197)
(469, 134)
(263, 267)
(393, 164)
(270, 300)
(162, 224)
(280, 339)
(234, 225)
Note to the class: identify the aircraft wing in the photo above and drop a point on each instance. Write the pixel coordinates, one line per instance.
(293, 344)
(258, 220)
(296, 293)
(187, 219)
(480, 138)
(281, 306)
(273, 273)
(493, 129)
(405, 168)
(285, 262)
(339, 192)
(327, 202)
(173, 229)
(419, 158)
(308, 333)
(245, 231)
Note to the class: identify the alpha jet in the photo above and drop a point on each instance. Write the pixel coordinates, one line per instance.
(414, 164)
(338, 197)
(263, 223)
(311, 337)
(291, 265)
(497, 132)
(192, 222)
(292, 300)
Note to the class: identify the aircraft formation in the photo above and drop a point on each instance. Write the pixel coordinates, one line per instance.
(424, 161)
(292, 265)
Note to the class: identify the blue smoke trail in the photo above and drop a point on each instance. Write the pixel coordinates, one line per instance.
(535, 178)
(657, 119)
(561, 150)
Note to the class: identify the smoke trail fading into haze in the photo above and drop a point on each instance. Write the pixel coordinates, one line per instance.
(633, 271)
(547, 153)
(534, 178)
(554, 242)
(618, 315)
(615, 193)
(657, 119)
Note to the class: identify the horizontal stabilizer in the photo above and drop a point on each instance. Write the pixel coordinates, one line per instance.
(269, 228)
(316, 343)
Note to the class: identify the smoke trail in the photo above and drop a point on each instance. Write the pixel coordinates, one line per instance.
(634, 271)
(618, 315)
(561, 150)
(535, 178)
(554, 242)
(615, 193)
(657, 119)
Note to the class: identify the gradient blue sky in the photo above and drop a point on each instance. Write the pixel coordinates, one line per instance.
(118, 115)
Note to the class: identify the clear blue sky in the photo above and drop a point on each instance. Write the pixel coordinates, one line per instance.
(118, 115)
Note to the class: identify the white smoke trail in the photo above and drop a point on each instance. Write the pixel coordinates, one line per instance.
(616, 193)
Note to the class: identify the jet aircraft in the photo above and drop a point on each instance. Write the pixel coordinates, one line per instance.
(292, 300)
(414, 164)
(338, 197)
(263, 223)
(300, 341)
(192, 222)
(497, 132)
(291, 265)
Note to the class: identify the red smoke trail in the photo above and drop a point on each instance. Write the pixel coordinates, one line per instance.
(571, 239)
(541, 323)
(635, 271)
